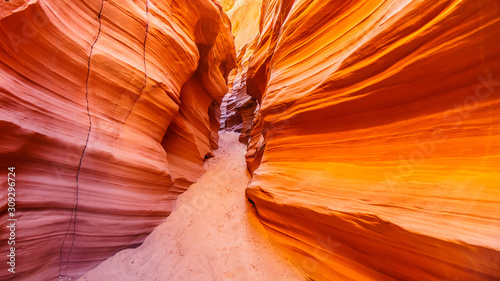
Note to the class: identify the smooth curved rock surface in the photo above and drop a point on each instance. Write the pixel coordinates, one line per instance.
(121, 96)
(376, 151)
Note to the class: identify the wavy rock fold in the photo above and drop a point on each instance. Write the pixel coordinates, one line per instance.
(375, 152)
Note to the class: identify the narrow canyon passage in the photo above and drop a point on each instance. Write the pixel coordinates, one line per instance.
(213, 234)
(359, 140)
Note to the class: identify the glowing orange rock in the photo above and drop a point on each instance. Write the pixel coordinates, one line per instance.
(119, 98)
(376, 151)
(244, 15)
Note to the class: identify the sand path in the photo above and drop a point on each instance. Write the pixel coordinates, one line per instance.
(212, 235)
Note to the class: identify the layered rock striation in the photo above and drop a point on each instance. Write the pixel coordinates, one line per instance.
(376, 150)
(108, 110)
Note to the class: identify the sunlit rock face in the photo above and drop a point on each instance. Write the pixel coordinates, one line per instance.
(245, 20)
(108, 109)
(376, 151)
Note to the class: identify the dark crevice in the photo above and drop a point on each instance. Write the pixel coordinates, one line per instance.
(208, 156)
(74, 212)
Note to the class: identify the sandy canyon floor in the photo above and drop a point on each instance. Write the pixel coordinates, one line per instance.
(213, 234)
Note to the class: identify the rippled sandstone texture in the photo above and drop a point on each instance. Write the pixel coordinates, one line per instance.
(118, 98)
(376, 151)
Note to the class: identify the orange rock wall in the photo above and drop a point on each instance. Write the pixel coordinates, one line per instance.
(107, 111)
(376, 151)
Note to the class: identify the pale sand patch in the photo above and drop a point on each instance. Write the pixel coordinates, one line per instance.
(213, 234)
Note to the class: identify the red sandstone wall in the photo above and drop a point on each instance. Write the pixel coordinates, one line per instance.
(117, 98)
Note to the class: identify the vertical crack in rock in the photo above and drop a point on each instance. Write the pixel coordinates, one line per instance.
(145, 68)
(75, 208)
(49, 84)
(144, 50)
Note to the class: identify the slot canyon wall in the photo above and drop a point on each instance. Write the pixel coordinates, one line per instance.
(107, 111)
(375, 152)
(239, 107)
